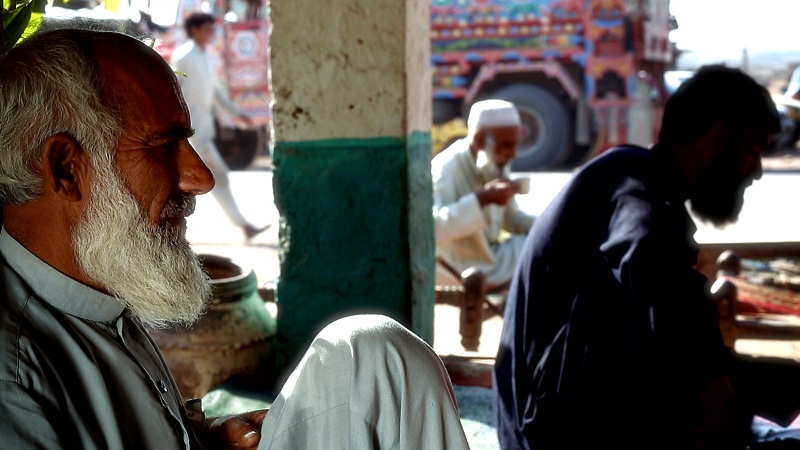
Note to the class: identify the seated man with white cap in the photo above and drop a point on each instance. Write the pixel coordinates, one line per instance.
(473, 197)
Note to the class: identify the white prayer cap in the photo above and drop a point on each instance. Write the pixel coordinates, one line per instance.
(493, 114)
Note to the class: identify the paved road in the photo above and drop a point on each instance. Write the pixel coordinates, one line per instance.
(771, 214)
(210, 231)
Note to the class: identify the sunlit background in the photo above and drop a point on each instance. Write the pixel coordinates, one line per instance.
(760, 36)
(731, 25)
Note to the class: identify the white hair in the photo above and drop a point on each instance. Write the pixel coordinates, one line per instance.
(50, 85)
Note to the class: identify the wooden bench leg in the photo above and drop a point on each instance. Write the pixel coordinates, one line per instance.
(724, 294)
(472, 309)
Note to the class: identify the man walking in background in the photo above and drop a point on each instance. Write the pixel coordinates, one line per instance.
(196, 77)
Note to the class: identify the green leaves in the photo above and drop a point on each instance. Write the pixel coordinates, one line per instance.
(19, 21)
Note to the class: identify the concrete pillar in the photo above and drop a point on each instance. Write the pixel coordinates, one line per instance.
(351, 154)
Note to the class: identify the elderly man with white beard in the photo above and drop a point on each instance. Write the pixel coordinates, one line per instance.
(96, 178)
(473, 197)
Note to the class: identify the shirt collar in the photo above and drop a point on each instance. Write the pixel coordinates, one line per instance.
(55, 288)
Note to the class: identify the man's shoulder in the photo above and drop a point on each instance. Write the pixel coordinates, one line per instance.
(459, 146)
(618, 162)
(14, 294)
(448, 158)
(621, 154)
(616, 171)
(35, 338)
(14, 298)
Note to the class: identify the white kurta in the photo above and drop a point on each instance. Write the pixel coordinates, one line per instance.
(366, 382)
(466, 234)
(202, 95)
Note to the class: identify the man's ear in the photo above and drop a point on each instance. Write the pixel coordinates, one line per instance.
(65, 167)
(711, 144)
(720, 134)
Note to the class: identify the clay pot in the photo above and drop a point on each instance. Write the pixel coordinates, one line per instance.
(233, 338)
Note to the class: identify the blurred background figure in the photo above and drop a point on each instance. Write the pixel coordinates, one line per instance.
(196, 77)
(610, 333)
(474, 197)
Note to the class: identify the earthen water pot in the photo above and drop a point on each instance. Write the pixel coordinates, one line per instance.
(234, 337)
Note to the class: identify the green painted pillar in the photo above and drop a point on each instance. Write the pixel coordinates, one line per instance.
(351, 154)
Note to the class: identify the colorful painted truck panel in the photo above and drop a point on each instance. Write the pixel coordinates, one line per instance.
(585, 74)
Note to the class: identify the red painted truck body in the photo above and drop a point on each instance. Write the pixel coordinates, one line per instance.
(585, 74)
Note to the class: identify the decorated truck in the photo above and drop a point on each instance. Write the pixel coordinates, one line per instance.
(585, 74)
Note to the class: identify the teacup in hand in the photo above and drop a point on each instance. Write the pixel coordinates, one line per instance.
(523, 185)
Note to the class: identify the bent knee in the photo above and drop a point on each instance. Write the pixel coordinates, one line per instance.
(366, 327)
(374, 333)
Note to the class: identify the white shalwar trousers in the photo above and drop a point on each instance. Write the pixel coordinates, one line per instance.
(366, 382)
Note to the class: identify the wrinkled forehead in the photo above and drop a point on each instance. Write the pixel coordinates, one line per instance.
(505, 132)
(138, 82)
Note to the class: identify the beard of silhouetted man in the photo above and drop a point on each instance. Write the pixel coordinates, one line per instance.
(150, 268)
(718, 196)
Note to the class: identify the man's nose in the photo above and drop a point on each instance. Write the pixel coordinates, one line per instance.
(194, 177)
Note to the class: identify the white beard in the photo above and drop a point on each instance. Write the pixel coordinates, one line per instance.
(151, 269)
(487, 168)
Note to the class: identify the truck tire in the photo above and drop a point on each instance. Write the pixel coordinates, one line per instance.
(546, 137)
(238, 147)
(445, 110)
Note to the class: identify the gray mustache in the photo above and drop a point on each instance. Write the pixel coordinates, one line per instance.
(180, 207)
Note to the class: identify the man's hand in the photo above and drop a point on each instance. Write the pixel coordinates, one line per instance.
(237, 432)
(498, 191)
